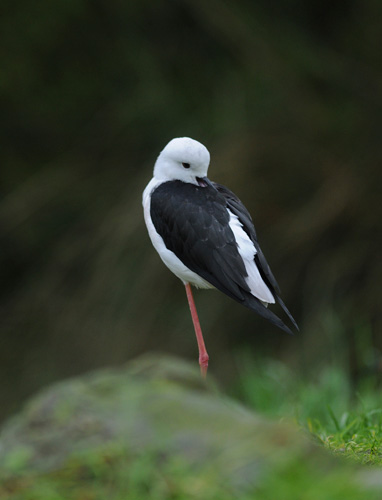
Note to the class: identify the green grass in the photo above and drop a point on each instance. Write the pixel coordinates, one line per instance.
(347, 422)
(115, 474)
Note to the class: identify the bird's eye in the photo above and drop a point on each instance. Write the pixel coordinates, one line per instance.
(186, 165)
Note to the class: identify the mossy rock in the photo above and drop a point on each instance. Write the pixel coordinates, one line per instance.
(160, 408)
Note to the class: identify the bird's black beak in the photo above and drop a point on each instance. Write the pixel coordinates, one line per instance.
(204, 182)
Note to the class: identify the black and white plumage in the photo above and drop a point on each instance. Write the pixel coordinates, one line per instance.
(204, 234)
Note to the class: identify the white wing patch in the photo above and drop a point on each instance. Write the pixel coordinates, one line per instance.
(247, 251)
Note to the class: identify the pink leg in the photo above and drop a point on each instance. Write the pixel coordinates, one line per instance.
(203, 356)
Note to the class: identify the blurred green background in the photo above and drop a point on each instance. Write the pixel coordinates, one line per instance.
(286, 95)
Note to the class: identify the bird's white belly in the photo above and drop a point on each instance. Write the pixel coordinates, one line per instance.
(168, 257)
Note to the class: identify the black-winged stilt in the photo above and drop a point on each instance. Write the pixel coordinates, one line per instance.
(205, 235)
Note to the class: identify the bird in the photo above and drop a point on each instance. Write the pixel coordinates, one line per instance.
(204, 234)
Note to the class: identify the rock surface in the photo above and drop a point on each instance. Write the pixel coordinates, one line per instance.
(154, 403)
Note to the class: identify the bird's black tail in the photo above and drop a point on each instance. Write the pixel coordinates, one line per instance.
(286, 310)
(256, 305)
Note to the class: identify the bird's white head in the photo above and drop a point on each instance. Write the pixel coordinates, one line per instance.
(183, 159)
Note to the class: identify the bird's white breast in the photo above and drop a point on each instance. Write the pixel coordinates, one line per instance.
(168, 257)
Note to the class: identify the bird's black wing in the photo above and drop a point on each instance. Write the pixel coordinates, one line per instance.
(236, 206)
(194, 224)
